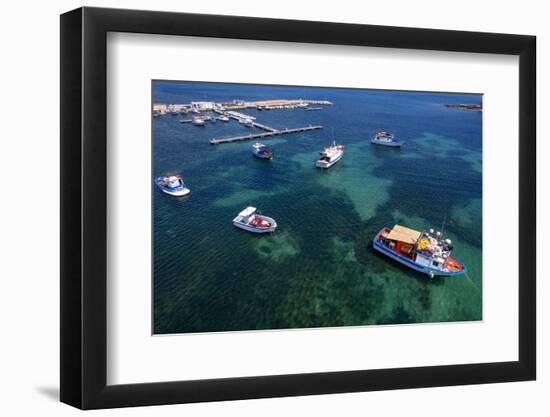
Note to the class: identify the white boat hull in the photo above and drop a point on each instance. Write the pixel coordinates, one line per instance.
(176, 193)
(326, 164)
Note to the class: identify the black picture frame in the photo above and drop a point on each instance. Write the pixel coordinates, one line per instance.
(84, 207)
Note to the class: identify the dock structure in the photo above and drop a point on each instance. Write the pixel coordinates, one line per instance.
(266, 135)
(263, 127)
(250, 120)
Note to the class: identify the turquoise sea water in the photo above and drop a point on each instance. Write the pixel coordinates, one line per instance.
(319, 268)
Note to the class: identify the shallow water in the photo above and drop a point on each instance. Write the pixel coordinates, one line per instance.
(319, 268)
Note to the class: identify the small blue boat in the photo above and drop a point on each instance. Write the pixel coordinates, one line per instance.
(172, 185)
(386, 139)
(427, 252)
(259, 150)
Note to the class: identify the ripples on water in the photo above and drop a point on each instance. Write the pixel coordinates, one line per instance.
(318, 269)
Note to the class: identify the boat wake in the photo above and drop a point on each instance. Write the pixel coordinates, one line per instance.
(471, 281)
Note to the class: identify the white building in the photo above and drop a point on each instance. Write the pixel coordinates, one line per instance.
(203, 105)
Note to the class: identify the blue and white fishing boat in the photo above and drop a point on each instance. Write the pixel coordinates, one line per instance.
(173, 185)
(251, 222)
(330, 155)
(386, 139)
(259, 150)
(427, 252)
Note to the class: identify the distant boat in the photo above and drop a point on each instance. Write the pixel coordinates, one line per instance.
(223, 118)
(386, 139)
(259, 150)
(197, 121)
(251, 222)
(330, 155)
(172, 185)
(425, 252)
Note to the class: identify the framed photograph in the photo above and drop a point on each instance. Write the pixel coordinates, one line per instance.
(258, 208)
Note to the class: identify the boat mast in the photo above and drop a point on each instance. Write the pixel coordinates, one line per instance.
(443, 225)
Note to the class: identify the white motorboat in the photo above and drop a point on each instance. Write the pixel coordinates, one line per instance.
(246, 122)
(256, 223)
(223, 118)
(173, 185)
(386, 139)
(197, 121)
(330, 155)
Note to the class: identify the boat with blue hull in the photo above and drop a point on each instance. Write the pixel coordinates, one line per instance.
(426, 252)
(386, 139)
(173, 185)
(259, 150)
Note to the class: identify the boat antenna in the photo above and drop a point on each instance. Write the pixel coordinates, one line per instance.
(443, 225)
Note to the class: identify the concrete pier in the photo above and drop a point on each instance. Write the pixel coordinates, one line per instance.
(271, 133)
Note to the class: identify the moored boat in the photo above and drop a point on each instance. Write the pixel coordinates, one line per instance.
(173, 185)
(330, 155)
(198, 121)
(223, 118)
(386, 139)
(256, 223)
(427, 251)
(259, 150)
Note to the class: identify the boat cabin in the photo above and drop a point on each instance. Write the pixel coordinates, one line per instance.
(247, 212)
(403, 240)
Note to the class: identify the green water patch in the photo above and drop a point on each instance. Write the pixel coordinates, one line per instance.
(474, 159)
(333, 296)
(355, 175)
(242, 197)
(345, 250)
(459, 298)
(469, 214)
(433, 146)
(410, 221)
(276, 247)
